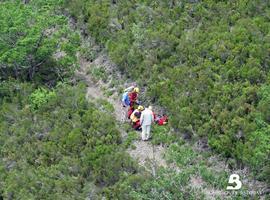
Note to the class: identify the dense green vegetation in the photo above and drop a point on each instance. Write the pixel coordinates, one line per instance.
(57, 150)
(36, 43)
(56, 144)
(206, 62)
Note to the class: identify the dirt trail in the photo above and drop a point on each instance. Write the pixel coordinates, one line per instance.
(144, 152)
(94, 90)
(148, 155)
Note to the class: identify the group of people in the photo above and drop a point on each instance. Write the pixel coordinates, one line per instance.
(140, 117)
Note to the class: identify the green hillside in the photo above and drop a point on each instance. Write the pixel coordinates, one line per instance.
(54, 143)
(206, 62)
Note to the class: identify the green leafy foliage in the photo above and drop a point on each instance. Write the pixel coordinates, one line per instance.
(132, 136)
(36, 42)
(54, 144)
(58, 148)
(98, 74)
(216, 180)
(183, 155)
(166, 185)
(40, 97)
(204, 61)
(162, 135)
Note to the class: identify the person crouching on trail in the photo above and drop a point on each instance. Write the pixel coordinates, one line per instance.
(130, 96)
(135, 118)
(146, 120)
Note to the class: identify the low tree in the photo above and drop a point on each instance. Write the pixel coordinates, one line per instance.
(36, 43)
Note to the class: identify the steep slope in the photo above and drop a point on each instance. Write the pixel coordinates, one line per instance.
(143, 151)
(205, 62)
(213, 171)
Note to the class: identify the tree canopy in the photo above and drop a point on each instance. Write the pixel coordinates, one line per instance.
(36, 42)
(206, 62)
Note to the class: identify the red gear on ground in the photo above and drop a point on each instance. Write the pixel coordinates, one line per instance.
(163, 120)
(136, 125)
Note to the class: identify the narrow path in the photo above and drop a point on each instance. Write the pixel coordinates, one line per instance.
(148, 155)
(152, 156)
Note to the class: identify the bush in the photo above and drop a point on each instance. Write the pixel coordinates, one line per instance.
(65, 143)
(208, 83)
(39, 97)
(37, 45)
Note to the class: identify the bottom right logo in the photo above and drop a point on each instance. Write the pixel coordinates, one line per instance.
(234, 179)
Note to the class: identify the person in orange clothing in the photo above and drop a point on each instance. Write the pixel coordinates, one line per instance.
(135, 118)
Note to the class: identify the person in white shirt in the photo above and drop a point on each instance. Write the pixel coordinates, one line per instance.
(146, 120)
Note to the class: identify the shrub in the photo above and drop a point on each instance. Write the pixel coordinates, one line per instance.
(39, 97)
(207, 83)
(37, 45)
(58, 148)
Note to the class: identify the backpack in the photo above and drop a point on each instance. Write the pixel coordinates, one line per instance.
(125, 99)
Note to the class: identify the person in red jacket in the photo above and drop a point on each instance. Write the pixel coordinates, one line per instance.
(133, 96)
(130, 111)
